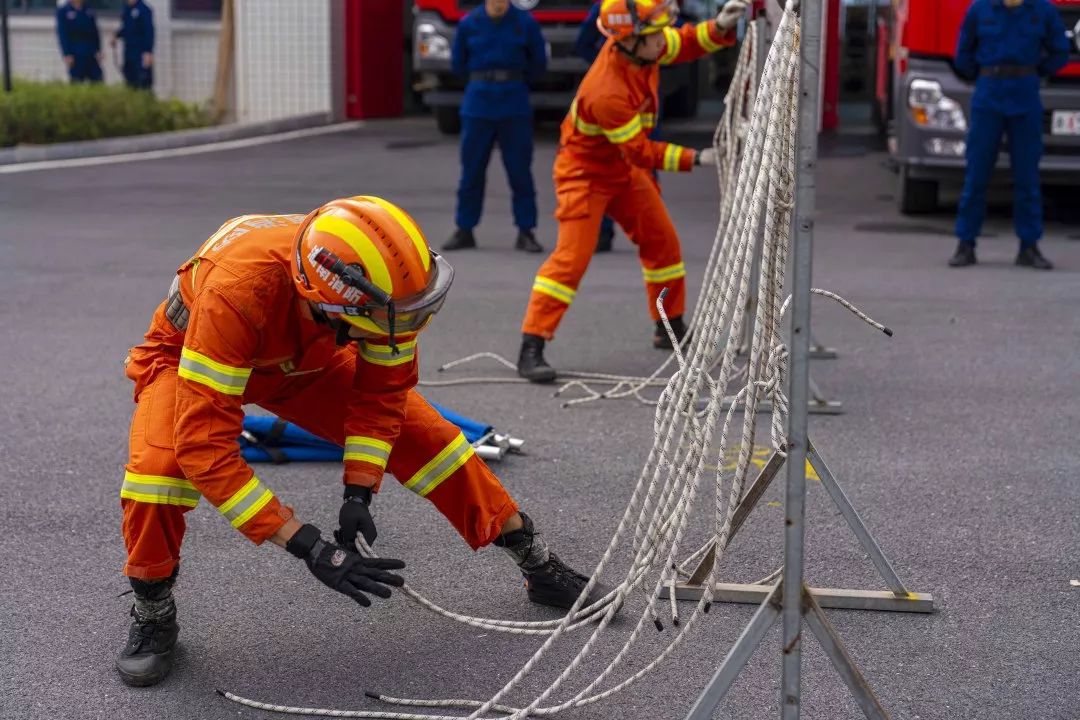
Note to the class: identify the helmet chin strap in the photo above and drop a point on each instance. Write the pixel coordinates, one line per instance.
(632, 55)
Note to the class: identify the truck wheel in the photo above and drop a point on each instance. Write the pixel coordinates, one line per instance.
(448, 119)
(917, 196)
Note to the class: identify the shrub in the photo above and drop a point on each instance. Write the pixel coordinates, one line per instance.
(52, 112)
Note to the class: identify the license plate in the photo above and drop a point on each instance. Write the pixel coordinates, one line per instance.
(1065, 122)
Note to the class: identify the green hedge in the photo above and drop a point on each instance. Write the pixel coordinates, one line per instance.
(52, 112)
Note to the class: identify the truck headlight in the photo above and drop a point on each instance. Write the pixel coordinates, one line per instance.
(931, 108)
(430, 43)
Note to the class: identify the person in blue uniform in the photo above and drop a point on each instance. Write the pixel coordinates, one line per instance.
(137, 32)
(1005, 46)
(80, 44)
(498, 49)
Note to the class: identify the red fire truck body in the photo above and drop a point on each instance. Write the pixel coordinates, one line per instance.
(925, 105)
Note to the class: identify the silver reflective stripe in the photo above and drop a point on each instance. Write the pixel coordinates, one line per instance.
(245, 502)
(366, 449)
(223, 378)
(175, 309)
(441, 467)
(159, 490)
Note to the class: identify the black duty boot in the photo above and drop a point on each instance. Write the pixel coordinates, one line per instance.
(605, 239)
(147, 657)
(1032, 258)
(661, 341)
(526, 241)
(965, 255)
(548, 580)
(531, 363)
(460, 240)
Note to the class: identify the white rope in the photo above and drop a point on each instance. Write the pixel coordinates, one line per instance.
(759, 188)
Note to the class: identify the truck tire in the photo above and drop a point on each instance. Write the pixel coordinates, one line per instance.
(447, 119)
(917, 197)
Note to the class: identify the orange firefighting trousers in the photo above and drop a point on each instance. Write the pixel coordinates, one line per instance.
(634, 203)
(431, 458)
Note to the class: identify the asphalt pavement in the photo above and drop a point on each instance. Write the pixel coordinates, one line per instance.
(957, 446)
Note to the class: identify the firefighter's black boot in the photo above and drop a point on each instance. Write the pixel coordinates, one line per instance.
(661, 341)
(460, 240)
(147, 658)
(548, 580)
(1031, 257)
(526, 241)
(531, 363)
(964, 255)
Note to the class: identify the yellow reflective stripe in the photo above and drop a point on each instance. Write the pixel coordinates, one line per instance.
(159, 490)
(225, 379)
(557, 290)
(623, 133)
(705, 39)
(245, 502)
(674, 45)
(384, 355)
(672, 154)
(441, 467)
(367, 449)
(671, 272)
(581, 125)
(648, 120)
(413, 232)
(362, 245)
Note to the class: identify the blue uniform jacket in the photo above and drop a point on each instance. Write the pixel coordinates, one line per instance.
(589, 38)
(137, 30)
(1031, 34)
(513, 43)
(77, 31)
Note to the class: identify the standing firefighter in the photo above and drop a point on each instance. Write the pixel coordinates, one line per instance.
(498, 49)
(137, 32)
(1005, 46)
(315, 319)
(80, 43)
(605, 163)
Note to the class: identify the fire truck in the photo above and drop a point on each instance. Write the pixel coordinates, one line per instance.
(923, 105)
(434, 22)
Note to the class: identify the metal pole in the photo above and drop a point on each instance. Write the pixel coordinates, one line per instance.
(798, 392)
(7, 42)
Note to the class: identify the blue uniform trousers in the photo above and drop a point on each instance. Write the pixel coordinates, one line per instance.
(85, 68)
(1025, 150)
(137, 76)
(515, 138)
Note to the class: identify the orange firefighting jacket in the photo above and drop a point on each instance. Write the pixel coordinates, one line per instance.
(248, 335)
(606, 130)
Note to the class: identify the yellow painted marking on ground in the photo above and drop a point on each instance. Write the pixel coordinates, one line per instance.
(758, 458)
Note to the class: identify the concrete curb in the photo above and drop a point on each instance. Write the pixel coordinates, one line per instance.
(158, 141)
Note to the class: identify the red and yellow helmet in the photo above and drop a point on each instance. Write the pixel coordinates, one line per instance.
(364, 261)
(621, 19)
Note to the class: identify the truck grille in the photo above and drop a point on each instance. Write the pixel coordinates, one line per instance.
(582, 5)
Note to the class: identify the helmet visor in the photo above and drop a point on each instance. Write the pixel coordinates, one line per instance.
(409, 314)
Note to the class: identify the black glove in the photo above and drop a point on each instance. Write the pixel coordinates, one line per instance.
(355, 517)
(344, 570)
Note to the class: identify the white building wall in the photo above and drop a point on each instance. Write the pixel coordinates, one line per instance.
(185, 52)
(282, 58)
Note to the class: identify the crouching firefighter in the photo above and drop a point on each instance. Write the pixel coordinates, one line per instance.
(314, 318)
(605, 162)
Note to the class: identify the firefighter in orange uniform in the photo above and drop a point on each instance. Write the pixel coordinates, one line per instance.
(605, 161)
(314, 318)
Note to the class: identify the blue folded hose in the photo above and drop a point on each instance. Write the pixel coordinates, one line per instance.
(271, 439)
